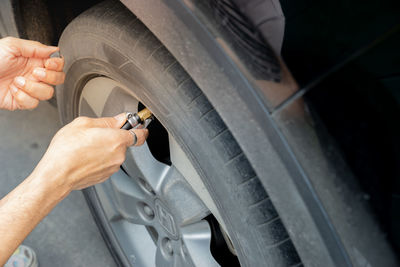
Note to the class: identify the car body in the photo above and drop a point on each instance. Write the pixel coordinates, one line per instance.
(262, 105)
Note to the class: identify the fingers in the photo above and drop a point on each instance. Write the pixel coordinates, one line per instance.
(56, 64)
(49, 76)
(124, 136)
(107, 122)
(23, 100)
(128, 137)
(38, 90)
(141, 135)
(33, 49)
(117, 122)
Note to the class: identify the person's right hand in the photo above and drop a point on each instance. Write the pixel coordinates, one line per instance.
(88, 151)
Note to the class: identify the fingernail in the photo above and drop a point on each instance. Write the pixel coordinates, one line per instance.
(55, 54)
(20, 81)
(13, 89)
(41, 73)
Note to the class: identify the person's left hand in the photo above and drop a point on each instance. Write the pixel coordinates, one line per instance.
(27, 73)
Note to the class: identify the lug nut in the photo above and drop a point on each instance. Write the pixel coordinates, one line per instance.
(167, 245)
(148, 211)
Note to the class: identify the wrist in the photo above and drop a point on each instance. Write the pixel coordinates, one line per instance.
(51, 182)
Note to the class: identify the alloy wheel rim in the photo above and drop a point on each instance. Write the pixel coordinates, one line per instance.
(152, 209)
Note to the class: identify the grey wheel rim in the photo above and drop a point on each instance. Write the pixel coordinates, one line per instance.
(155, 210)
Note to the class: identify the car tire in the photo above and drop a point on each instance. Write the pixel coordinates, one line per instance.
(109, 41)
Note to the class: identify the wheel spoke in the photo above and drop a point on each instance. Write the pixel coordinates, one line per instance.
(167, 183)
(179, 261)
(140, 163)
(171, 254)
(104, 193)
(180, 198)
(129, 199)
(133, 239)
(196, 244)
(162, 260)
(86, 109)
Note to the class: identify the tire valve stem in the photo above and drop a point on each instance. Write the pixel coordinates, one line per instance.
(138, 120)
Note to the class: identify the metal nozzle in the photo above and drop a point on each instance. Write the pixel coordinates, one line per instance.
(138, 120)
(144, 114)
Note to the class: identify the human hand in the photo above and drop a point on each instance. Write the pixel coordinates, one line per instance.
(27, 73)
(88, 151)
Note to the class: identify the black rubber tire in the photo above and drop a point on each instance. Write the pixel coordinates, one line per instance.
(109, 40)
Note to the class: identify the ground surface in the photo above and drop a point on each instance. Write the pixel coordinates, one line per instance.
(68, 236)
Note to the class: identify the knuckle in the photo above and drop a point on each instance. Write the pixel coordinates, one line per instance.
(121, 159)
(82, 120)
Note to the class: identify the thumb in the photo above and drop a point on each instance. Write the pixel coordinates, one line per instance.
(106, 122)
(120, 120)
(33, 49)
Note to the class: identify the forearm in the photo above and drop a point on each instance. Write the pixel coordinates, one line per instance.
(24, 207)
